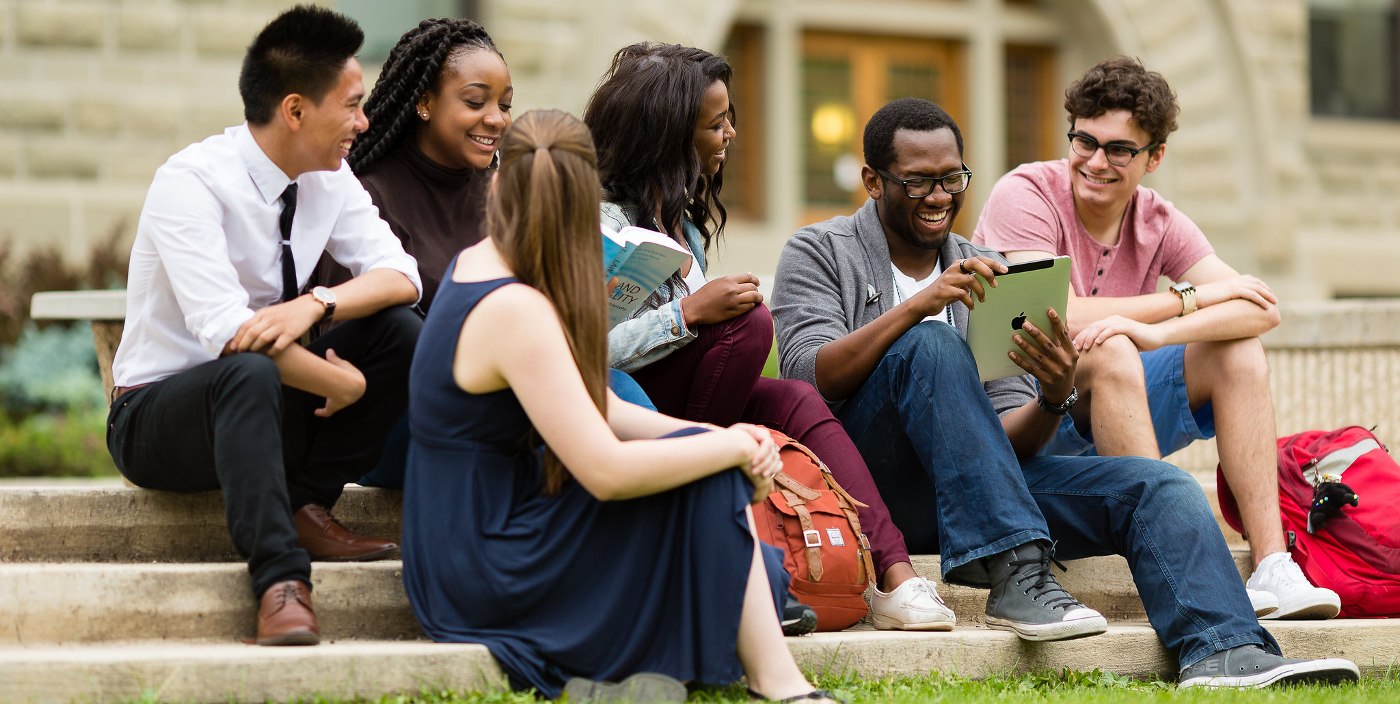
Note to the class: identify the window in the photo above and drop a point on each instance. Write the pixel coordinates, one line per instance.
(743, 172)
(1034, 120)
(1354, 51)
(845, 79)
(384, 22)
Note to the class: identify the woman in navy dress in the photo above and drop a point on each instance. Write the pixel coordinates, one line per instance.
(606, 552)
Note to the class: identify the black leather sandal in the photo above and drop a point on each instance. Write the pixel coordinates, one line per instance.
(816, 694)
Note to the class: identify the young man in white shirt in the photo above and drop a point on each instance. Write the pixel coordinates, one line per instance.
(213, 388)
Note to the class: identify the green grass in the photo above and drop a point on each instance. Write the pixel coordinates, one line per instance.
(770, 368)
(1068, 687)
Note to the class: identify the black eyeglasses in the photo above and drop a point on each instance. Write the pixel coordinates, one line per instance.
(920, 187)
(1116, 153)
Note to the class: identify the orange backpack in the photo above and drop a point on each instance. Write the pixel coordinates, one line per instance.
(814, 521)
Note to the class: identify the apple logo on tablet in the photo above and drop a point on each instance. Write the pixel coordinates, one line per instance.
(1018, 321)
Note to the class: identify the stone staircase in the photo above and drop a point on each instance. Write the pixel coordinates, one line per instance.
(110, 593)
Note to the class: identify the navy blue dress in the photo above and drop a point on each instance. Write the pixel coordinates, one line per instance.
(564, 585)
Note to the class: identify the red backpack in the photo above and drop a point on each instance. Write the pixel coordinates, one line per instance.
(814, 521)
(1355, 551)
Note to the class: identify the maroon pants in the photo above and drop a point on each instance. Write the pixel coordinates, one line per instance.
(716, 379)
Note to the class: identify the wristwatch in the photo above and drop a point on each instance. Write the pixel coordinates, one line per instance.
(1186, 291)
(1058, 409)
(326, 298)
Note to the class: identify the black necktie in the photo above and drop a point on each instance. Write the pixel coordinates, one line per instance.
(289, 265)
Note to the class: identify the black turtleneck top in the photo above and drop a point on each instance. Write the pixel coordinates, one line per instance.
(435, 211)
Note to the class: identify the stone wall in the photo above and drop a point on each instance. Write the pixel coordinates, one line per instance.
(95, 94)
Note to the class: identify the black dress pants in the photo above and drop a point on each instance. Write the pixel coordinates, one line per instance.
(231, 425)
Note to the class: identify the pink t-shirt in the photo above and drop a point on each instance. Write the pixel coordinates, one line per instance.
(1032, 208)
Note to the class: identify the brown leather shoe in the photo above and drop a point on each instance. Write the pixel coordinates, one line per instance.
(285, 616)
(326, 539)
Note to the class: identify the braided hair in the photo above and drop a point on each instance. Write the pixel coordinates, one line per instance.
(412, 70)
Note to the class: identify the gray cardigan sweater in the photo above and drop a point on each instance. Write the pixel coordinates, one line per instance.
(834, 277)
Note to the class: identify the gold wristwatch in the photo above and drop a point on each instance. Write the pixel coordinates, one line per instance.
(1186, 291)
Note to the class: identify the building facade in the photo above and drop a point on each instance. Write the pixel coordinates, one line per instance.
(1288, 154)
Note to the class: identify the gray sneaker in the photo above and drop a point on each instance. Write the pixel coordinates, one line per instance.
(1251, 666)
(1027, 600)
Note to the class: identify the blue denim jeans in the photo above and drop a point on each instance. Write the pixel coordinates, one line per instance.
(939, 456)
(942, 461)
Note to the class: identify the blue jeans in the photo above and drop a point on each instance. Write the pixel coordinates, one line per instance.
(939, 456)
(953, 485)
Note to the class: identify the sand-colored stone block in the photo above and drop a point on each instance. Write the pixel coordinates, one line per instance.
(72, 23)
(33, 108)
(153, 114)
(148, 28)
(9, 156)
(35, 216)
(69, 158)
(97, 114)
(226, 32)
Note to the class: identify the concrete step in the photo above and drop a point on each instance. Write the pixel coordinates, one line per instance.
(94, 602)
(104, 521)
(1103, 583)
(91, 602)
(224, 672)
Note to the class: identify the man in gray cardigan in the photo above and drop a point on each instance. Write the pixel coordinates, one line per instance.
(871, 309)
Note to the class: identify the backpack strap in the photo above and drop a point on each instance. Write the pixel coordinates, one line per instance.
(811, 537)
(826, 473)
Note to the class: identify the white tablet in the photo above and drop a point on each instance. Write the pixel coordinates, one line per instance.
(1022, 293)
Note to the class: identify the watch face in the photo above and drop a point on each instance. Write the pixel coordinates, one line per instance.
(323, 295)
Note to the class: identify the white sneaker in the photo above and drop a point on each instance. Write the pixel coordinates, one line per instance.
(912, 606)
(1279, 575)
(1264, 603)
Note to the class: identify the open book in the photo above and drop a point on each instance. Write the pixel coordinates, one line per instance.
(640, 259)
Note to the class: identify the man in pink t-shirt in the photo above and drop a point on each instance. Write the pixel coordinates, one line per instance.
(1203, 367)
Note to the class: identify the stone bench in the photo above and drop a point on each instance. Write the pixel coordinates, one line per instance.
(105, 309)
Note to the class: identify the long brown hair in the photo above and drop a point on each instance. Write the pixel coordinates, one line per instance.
(543, 215)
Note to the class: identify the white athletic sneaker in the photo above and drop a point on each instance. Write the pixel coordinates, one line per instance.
(912, 606)
(1279, 575)
(1264, 603)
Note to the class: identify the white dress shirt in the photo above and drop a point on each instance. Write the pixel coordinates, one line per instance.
(208, 250)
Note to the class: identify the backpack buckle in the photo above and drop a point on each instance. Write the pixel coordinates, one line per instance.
(812, 538)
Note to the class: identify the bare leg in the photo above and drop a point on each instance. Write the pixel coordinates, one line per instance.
(762, 651)
(1110, 378)
(1234, 376)
(897, 574)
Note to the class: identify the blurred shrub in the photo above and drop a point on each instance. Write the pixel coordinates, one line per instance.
(52, 414)
(71, 443)
(50, 370)
(46, 269)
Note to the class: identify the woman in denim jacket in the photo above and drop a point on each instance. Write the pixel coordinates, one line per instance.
(661, 120)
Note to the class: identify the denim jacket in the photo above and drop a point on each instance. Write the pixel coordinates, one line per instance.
(651, 333)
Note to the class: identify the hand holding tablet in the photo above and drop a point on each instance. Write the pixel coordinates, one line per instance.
(1023, 294)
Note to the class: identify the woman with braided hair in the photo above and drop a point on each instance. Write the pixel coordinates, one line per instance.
(436, 114)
